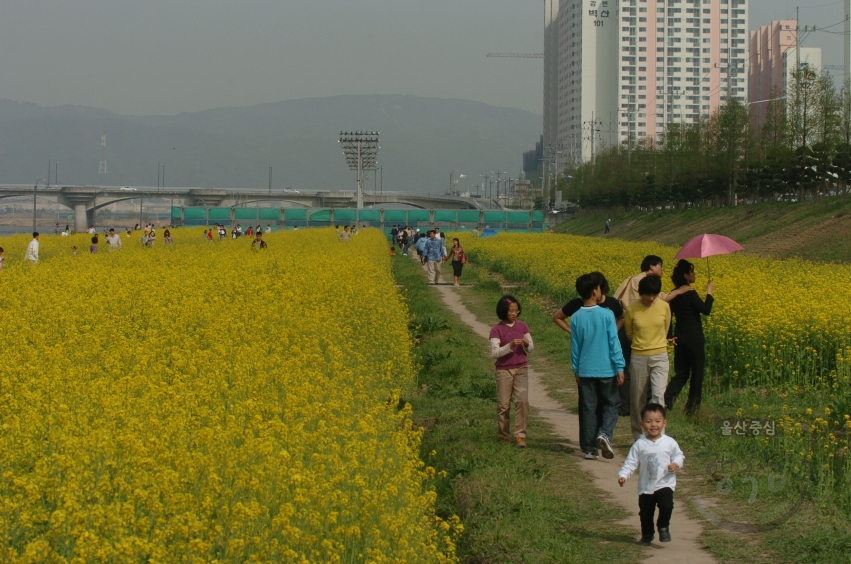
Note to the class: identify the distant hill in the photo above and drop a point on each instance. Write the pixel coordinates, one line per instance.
(422, 140)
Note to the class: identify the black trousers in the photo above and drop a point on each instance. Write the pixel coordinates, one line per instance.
(689, 363)
(647, 504)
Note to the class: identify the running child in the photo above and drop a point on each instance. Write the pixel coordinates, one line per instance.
(657, 458)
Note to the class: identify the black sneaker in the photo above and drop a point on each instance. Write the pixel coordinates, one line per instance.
(605, 447)
(645, 541)
(664, 535)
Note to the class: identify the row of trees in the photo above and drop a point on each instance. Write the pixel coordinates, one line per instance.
(802, 150)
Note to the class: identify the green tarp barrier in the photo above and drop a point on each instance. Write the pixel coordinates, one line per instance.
(494, 217)
(245, 213)
(194, 213)
(465, 216)
(321, 215)
(395, 216)
(445, 215)
(369, 215)
(418, 215)
(220, 214)
(175, 213)
(518, 217)
(270, 214)
(538, 217)
(344, 215)
(295, 214)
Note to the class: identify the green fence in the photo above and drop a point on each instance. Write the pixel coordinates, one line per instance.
(456, 220)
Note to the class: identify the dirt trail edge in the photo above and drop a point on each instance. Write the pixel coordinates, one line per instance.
(685, 546)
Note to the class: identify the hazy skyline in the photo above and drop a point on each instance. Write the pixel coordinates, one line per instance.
(154, 57)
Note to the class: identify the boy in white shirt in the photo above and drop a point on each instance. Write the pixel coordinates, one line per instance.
(658, 457)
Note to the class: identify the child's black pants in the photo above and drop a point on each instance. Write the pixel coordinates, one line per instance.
(647, 503)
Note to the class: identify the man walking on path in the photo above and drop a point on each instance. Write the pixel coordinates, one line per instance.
(608, 224)
(113, 240)
(32, 249)
(433, 254)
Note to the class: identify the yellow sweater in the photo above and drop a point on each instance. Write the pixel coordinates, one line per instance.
(647, 328)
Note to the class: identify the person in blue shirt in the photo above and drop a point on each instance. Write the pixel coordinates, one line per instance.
(597, 360)
(433, 255)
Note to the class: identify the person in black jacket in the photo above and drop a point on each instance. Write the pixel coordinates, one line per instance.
(689, 353)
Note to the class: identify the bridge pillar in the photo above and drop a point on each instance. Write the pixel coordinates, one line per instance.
(81, 220)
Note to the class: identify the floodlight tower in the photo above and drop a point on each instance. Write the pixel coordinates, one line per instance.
(361, 151)
(847, 39)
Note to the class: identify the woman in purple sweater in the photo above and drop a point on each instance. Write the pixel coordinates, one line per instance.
(510, 342)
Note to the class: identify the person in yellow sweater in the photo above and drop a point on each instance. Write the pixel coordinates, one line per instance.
(646, 322)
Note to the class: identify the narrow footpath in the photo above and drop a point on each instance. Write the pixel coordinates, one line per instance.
(685, 546)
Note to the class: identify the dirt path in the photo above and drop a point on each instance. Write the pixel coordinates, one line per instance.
(685, 546)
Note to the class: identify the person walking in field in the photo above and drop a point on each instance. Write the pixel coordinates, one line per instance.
(433, 254)
(689, 352)
(510, 342)
(647, 322)
(113, 240)
(32, 249)
(608, 225)
(2, 258)
(167, 240)
(657, 457)
(258, 242)
(93, 248)
(597, 361)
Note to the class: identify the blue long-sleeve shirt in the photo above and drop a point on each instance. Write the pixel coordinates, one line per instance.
(433, 250)
(595, 351)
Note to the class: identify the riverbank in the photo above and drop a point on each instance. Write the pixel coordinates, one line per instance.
(812, 230)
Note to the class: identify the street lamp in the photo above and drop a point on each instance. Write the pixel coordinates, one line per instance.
(35, 192)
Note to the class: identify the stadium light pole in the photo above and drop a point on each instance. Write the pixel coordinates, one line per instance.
(35, 192)
(361, 151)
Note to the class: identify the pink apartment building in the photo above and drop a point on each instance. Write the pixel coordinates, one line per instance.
(767, 65)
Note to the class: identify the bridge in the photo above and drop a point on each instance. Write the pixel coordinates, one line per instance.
(84, 200)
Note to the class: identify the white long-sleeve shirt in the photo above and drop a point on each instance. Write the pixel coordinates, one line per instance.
(114, 241)
(32, 251)
(498, 351)
(652, 458)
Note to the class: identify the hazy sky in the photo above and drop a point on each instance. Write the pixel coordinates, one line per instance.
(171, 56)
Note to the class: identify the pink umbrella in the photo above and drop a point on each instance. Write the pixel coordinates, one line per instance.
(706, 245)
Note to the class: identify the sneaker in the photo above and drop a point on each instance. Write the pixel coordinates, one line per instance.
(664, 535)
(645, 541)
(605, 446)
(520, 441)
(404, 254)
(590, 456)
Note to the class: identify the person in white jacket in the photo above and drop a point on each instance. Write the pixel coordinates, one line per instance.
(32, 249)
(657, 458)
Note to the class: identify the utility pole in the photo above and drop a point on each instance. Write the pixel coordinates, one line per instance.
(48, 172)
(270, 178)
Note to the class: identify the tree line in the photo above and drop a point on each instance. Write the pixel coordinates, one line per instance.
(803, 150)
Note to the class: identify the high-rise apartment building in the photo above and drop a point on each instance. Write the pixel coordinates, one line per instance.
(631, 68)
(767, 69)
(679, 59)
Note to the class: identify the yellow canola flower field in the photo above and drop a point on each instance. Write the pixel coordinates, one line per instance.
(774, 322)
(207, 402)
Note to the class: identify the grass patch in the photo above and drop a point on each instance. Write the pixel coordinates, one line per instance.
(819, 532)
(517, 505)
(814, 230)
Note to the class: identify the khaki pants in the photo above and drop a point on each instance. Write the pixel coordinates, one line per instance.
(646, 371)
(512, 381)
(433, 268)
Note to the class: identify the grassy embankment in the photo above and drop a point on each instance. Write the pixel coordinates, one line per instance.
(817, 532)
(517, 505)
(812, 230)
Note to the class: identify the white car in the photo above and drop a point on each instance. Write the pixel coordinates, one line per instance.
(292, 190)
(127, 189)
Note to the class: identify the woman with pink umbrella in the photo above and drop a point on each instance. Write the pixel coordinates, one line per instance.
(686, 308)
(689, 353)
